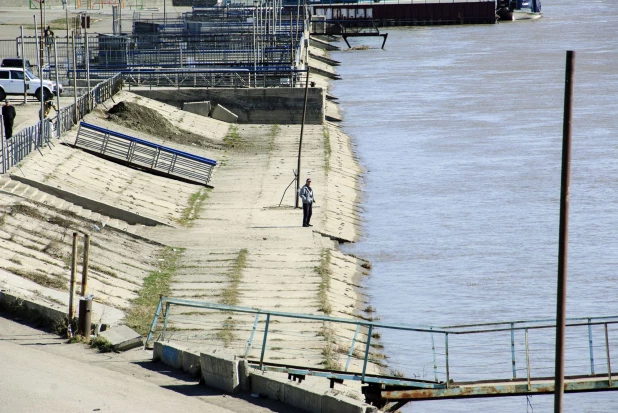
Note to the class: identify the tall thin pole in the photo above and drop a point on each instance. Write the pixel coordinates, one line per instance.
(302, 129)
(23, 64)
(88, 66)
(85, 265)
(41, 42)
(58, 127)
(66, 11)
(564, 232)
(72, 284)
(74, 76)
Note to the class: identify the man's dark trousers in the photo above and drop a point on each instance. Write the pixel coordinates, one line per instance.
(8, 129)
(307, 211)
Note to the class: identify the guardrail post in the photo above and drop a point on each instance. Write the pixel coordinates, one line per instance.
(433, 350)
(154, 321)
(513, 349)
(167, 313)
(590, 346)
(528, 361)
(448, 374)
(609, 364)
(264, 341)
(255, 323)
(347, 363)
(367, 347)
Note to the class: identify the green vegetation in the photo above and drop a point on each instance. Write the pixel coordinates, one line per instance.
(327, 149)
(102, 344)
(226, 334)
(192, 211)
(232, 138)
(330, 350)
(139, 316)
(274, 131)
(324, 272)
(229, 296)
(53, 281)
(57, 24)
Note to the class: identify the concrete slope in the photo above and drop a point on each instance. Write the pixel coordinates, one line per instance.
(37, 249)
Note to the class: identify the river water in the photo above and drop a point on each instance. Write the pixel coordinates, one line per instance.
(459, 129)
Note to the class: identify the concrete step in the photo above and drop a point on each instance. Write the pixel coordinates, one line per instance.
(4, 181)
(41, 197)
(19, 189)
(10, 186)
(30, 192)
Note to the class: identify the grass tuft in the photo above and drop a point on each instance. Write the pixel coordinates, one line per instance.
(229, 296)
(232, 138)
(324, 272)
(139, 316)
(327, 149)
(53, 281)
(192, 211)
(226, 334)
(102, 344)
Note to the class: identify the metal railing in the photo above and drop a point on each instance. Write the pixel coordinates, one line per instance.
(440, 356)
(32, 138)
(146, 154)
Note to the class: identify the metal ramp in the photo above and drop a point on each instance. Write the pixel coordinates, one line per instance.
(144, 154)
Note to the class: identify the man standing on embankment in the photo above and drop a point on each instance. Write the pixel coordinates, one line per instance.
(306, 194)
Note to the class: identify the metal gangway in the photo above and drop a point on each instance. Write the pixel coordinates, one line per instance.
(444, 362)
(144, 154)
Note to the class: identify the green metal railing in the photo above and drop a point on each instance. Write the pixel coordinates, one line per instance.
(471, 352)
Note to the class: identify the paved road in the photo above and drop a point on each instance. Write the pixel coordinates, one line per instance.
(42, 373)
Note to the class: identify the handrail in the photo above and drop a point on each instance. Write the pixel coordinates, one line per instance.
(149, 144)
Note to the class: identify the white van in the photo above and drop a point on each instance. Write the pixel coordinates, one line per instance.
(12, 83)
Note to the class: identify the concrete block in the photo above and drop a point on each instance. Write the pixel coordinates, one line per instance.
(342, 404)
(303, 397)
(199, 108)
(222, 114)
(220, 371)
(172, 356)
(157, 351)
(244, 374)
(191, 363)
(268, 386)
(123, 338)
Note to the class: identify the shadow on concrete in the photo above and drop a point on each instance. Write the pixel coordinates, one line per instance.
(194, 388)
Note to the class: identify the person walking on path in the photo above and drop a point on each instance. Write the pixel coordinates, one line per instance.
(306, 194)
(8, 115)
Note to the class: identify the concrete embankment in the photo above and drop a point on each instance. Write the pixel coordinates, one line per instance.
(232, 244)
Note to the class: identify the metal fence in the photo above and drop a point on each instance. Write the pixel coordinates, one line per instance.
(33, 138)
(153, 157)
(432, 354)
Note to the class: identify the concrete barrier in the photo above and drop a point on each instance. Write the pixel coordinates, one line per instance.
(281, 105)
(342, 404)
(220, 371)
(199, 108)
(268, 386)
(178, 357)
(224, 115)
(303, 397)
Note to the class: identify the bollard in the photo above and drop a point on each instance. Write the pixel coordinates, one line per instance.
(85, 314)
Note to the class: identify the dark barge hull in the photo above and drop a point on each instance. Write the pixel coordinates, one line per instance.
(426, 14)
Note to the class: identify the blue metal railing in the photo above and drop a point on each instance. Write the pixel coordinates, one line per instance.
(144, 153)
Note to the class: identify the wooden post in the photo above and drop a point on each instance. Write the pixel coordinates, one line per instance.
(85, 265)
(72, 284)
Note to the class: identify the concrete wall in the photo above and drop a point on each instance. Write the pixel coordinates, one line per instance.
(224, 371)
(263, 106)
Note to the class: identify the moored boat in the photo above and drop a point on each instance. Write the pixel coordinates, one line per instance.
(510, 10)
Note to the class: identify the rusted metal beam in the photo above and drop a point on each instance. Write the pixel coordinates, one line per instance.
(501, 390)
